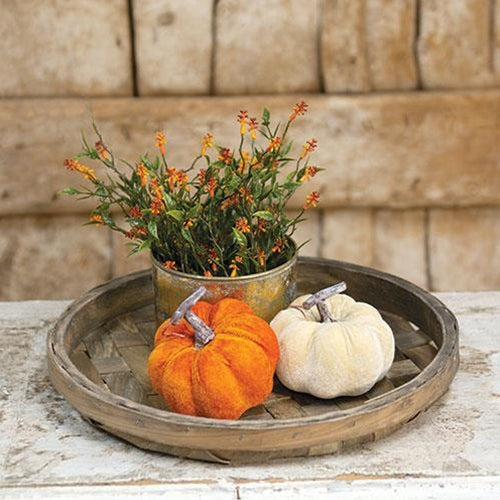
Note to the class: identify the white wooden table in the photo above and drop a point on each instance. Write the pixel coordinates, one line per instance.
(450, 451)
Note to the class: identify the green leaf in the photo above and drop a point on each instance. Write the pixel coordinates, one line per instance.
(152, 229)
(257, 190)
(286, 148)
(169, 201)
(266, 116)
(264, 214)
(232, 183)
(194, 211)
(145, 245)
(89, 153)
(108, 220)
(69, 191)
(176, 214)
(186, 235)
(291, 186)
(239, 238)
(101, 190)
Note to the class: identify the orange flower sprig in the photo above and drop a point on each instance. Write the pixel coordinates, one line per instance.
(142, 172)
(243, 121)
(101, 150)
(312, 200)
(96, 219)
(298, 110)
(308, 147)
(241, 225)
(206, 143)
(161, 141)
(75, 166)
(253, 125)
(227, 218)
(309, 173)
(226, 156)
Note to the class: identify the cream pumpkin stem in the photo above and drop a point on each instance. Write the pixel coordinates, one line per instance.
(203, 334)
(318, 300)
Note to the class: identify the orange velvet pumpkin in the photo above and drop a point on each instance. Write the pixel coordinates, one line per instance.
(226, 376)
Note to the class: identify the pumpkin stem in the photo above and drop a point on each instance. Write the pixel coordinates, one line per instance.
(203, 334)
(318, 300)
(324, 313)
(187, 304)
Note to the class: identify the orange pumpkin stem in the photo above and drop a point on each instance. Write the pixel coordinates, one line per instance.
(318, 300)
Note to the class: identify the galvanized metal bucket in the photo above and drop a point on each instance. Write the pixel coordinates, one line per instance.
(266, 293)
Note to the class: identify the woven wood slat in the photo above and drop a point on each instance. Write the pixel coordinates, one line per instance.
(407, 340)
(284, 408)
(257, 413)
(402, 371)
(380, 388)
(155, 401)
(136, 358)
(125, 332)
(100, 346)
(124, 384)
(105, 366)
(84, 364)
(422, 355)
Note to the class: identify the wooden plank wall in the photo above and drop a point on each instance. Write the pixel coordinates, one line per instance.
(404, 101)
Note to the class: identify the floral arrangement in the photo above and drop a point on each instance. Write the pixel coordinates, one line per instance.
(226, 218)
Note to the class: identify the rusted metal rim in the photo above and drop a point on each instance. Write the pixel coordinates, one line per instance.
(223, 279)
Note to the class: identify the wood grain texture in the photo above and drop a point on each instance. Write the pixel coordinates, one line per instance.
(378, 150)
(390, 240)
(50, 257)
(390, 36)
(266, 47)
(60, 49)
(368, 46)
(464, 249)
(455, 43)
(425, 373)
(173, 43)
(308, 233)
(399, 244)
(344, 62)
(347, 234)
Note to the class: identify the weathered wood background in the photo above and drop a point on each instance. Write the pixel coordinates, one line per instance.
(404, 100)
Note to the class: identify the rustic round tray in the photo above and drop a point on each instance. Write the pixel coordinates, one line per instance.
(98, 349)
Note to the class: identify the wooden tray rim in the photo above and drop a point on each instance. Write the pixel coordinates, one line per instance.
(445, 361)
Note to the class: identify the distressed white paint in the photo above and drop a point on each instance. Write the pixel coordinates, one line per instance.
(460, 488)
(47, 451)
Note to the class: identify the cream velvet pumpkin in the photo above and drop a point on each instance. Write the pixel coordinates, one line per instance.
(345, 357)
